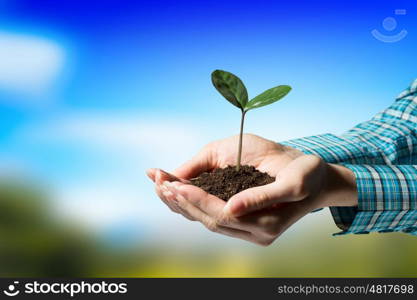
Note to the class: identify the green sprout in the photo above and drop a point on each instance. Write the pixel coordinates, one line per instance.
(233, 89)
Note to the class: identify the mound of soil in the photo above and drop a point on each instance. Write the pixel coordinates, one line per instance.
(224, 183)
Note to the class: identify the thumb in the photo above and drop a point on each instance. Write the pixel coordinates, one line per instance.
(161, 176)
(257, 198)
(200, 163)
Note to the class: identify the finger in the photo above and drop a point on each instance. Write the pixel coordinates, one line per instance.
(207, 203)
(272, 222)
(286, 216)
(151, 173)
(161, 176)
(257, 198)
(211, 225)
(295, 182)
(169, 199)
(171, 205)
(236, 233)
(165, 195)
(196, 213)
(203, 161)
(267, 225)
(161, 195)
(241, 227)
(255, 222)
(211, 206)
(244, 235)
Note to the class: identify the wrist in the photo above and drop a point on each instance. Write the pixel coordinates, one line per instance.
(339, 188)
(292, 152)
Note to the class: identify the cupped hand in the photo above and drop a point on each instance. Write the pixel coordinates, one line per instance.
(265, 155)
(261, 214)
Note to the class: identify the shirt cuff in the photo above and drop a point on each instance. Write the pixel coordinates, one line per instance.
(331, 148)
(386, 201)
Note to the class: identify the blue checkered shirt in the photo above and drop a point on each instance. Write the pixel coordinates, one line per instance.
(382, 153)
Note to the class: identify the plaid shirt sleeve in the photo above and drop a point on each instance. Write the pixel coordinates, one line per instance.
(382, 153)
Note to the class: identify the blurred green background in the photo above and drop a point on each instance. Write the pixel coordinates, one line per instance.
(33, 243)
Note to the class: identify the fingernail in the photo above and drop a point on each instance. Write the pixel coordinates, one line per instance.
(148, 172)
(157, 176)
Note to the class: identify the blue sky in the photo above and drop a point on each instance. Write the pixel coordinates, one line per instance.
(94, 92)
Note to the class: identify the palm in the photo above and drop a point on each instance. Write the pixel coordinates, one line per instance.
(263, 154)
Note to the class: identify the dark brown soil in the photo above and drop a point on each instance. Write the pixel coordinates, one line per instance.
(224, 183)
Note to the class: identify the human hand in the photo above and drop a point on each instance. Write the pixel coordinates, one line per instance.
(261, 214)
(265, 155)
(306, 179)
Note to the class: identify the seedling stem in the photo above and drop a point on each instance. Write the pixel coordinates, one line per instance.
(239, 155)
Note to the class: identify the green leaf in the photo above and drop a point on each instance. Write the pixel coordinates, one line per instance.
(268, 97)
(231, 87)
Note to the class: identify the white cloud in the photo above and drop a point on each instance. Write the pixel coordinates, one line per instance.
(28, 64)
(160, 141)
(100, 204)
(111, 200)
